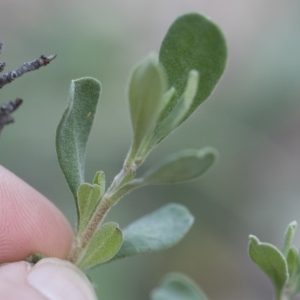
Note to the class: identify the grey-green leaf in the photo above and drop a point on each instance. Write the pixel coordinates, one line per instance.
(74, 129)
(170, 121)
(293, 261)
(271, 261)
(99, 179)
(88, 196)
(103, 247)
(193, 42)
(289, 237)
(181, 166)
(157, 231)
(146, 90)
(176, 286)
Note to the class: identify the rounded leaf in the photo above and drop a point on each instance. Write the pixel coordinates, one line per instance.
(181, 166)
(157, 231)
(293, 262)
(88, 196)
(74, 129)
(289, 237)
(146, 90)
(176, 286)
(193, 42)
(170, 121)
(103, 246)
(271, 261)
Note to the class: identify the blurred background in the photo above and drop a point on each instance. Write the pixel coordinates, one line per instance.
(253, 119)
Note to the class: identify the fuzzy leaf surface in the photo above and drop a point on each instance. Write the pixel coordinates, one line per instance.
(193, 42)
(176, 286)
(74, 129)
(88, 196)
(289, 237)
(156, 231)
(181, 166)
(103, 247)
(271, 261)
(293, 261)
(167, 123)
(146, 90)
(99, 179)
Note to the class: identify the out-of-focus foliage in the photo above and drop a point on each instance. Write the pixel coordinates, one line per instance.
(252, 119)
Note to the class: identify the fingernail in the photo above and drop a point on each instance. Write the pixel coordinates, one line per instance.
(58, 279)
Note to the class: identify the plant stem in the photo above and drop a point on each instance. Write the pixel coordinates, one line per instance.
(284, 295)
(110, 198)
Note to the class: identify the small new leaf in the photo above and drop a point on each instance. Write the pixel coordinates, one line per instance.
(157, 231)
(293, 262)
(103, 246)
(193, 43)
(176, 286)
(99, 179)
(88, 197)
(181, 166)
(271, 261)
(146, 89)
(74, 129)
(169, 121)
(289, 237)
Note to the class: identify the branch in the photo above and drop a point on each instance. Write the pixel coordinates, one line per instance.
(26, 67)
(6, 110)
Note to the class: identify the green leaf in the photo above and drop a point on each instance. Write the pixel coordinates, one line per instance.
(34, 258)
(157, 231)
(181, 166)
(176, 286)
(74, 129)
(99, 179)
(88, 196)
(169, 96)
(289, 237)
(103, 247)
(146, 90)
(170, 121)
(193, 43)
(271, 262)
(293, 262)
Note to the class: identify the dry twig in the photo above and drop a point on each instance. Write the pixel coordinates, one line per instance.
(26, 67)
(7, 109)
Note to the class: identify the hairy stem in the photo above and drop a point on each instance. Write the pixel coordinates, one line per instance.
(107, 202)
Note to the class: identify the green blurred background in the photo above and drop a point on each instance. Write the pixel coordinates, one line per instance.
(253, 119)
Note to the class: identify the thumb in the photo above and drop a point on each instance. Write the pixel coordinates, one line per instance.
(50, 278)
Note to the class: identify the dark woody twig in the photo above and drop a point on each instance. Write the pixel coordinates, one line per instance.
(6, 110)
(2, 64)
(26, 67)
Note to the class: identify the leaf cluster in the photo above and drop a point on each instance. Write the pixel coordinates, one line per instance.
(163, 91)
(281, 266)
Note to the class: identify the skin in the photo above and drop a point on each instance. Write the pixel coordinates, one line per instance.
(30, 223)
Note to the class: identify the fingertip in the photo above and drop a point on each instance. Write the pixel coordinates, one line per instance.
(30, 223)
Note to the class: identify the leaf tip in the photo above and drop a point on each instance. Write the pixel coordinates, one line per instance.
(294, 224)
(253, 239)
